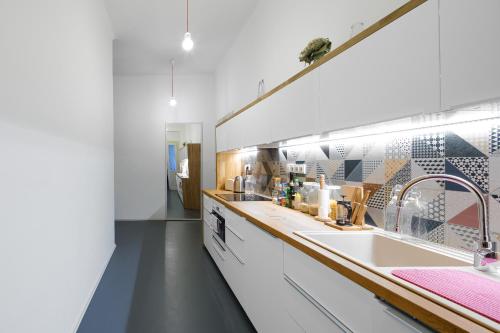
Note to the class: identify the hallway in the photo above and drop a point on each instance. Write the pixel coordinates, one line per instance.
(161, 279)
(176, 211)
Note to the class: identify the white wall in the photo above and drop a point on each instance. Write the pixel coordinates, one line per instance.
(56, 169)
(141, 114)
(269, 43)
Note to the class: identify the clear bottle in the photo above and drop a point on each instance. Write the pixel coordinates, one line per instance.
(391, 209)
(412, 225)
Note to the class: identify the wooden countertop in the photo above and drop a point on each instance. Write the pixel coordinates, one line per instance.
(434, 311)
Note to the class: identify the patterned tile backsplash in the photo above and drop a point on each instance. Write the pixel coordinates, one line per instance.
(469, 150)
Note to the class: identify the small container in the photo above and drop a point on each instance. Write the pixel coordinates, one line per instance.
(313, 209)
(312, 198)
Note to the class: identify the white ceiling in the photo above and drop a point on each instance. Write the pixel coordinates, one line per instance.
(149, 33)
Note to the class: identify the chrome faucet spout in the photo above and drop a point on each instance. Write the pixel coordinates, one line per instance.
(485, 257)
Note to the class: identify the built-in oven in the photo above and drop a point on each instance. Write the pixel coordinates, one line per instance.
(220, 223)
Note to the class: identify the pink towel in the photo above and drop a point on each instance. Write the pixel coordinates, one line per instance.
(476, 293)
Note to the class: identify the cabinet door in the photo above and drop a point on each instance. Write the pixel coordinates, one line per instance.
(263, 301)
(391, 74)
(222, 137)
(295, 108)
(470, 51)
(257, 124)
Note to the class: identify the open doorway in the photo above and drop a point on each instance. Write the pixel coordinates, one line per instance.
(183, 164)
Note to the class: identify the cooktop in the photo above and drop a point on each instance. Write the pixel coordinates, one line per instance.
(242, 197)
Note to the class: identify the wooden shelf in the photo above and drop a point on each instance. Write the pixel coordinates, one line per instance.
(409, 6)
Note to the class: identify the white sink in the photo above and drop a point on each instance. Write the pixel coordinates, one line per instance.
(377, 250)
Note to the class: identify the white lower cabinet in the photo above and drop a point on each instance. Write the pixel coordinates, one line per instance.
(321, 300)
(282, 289)
(253, 270)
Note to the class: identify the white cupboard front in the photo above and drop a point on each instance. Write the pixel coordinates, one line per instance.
(470, 51)
(391, 74)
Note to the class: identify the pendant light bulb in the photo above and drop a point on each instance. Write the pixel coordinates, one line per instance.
(187, 43)
(173, 102)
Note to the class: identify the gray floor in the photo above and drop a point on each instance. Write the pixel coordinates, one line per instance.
(167, 284)
(175, 209)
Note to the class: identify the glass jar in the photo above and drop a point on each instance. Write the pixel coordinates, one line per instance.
(312, 199)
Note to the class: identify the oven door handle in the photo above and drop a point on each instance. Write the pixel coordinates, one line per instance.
(218, 243)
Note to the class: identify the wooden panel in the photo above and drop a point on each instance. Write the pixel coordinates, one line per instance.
(192, 186)
(409, 6)
(228, 166)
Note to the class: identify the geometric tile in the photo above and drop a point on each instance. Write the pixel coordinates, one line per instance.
(373, 149)
(401, 176)
(392, 167)
(467, 217)
(474, 169)
(337, 150)
(435, 209)
(436, 235)
(457, 202)
(375, 217)
(471, 144)
(494, 140)
(398, 148)
(377, 196)
(326, 150)
(494, 216)
(494, 181)
(373, 171)
(353, 150)
(428, 145)
(330, 168)
(426, 166)
(353, 170)
(461, 237)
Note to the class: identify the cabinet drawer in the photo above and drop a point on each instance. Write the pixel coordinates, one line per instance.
(236, 223)
(386, 318)
(236, 245)
(218, 252)
(333, 292)
(307, 313)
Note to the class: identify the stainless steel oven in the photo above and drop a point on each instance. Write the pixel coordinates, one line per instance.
(220, 224)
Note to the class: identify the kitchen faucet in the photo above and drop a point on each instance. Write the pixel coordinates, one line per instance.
(485, 257)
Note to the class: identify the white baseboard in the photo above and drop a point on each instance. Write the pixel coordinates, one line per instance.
(92, 291)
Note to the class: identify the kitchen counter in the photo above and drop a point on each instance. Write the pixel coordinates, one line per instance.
(436, 312)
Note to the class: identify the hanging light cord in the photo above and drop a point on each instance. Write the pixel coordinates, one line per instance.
(187, 15)
(172, 63)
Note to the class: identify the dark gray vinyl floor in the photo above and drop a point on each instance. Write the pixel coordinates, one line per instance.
(175, 209)
(161, 279)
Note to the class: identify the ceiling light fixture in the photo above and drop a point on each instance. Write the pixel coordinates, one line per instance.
(173, 101)
(187, 43)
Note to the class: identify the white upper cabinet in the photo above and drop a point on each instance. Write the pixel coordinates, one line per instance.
(391, 74)
(221, 137)
(295, 109)
(470, 51)
(256, 124)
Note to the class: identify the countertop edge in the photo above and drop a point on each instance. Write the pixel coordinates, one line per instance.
(423, 308)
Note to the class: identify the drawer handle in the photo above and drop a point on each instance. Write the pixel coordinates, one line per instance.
(235, 255)
(218, 243)
(317, 305)
(235, 233)
(402, 317)
(217, 250)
